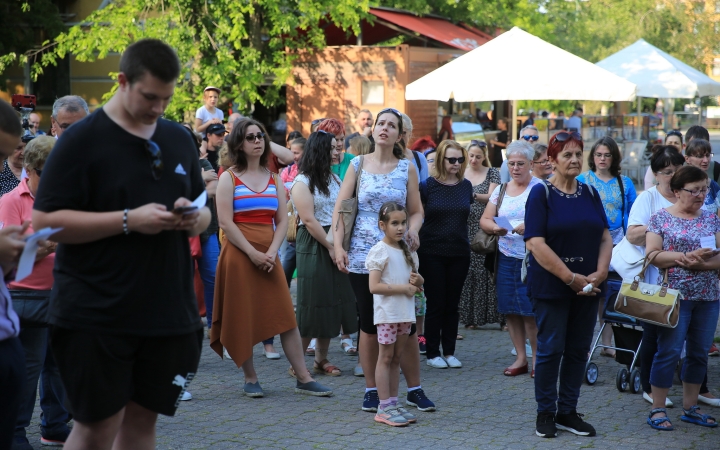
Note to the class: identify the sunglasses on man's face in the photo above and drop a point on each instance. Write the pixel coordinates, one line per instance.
(478, 143)
(253, 137)
(156, 163)
(530, 138)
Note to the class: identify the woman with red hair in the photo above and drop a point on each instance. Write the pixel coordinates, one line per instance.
(340, 163)
(446, 131)
(422, 144)
(567, 235)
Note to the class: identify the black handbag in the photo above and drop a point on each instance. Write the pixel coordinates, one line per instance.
(31, 306)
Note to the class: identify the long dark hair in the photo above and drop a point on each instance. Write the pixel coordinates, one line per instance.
(614, 151)
(398, 151)
(315, 161)
(235, 155)
(384, 217)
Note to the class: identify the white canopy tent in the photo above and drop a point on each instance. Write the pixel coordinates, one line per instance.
(657, 74)
(555, 75)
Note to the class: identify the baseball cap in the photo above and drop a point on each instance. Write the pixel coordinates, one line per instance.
(212, 88)
(216, 128)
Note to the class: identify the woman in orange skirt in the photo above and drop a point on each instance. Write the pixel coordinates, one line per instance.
(252, 300)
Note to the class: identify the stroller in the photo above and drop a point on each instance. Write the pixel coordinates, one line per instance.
(628, 338)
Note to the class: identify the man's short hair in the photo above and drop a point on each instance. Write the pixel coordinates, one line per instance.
(364, 111)
(696, 132)
(71, 104)
(528, 127)
(150, 55)
(9, 120)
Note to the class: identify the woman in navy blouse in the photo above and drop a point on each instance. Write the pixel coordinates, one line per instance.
(567, 233)
(445, 251)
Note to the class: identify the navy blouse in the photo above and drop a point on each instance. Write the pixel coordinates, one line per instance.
(447, 207)
(572, 226)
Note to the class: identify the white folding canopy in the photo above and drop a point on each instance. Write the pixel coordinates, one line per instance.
(519, 66)
(657, 74)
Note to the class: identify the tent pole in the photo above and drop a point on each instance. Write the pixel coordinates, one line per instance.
(513, 121)
(638, 122)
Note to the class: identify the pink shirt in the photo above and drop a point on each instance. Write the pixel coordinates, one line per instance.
(287, 175)
(16, 207)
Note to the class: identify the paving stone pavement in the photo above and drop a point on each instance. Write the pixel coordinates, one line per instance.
(478, 407)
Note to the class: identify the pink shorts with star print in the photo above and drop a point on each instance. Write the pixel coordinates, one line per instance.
(387, 332)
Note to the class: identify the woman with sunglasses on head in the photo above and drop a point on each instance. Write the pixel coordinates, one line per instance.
(445, 254)
(570, 246)
(478, 302)
(674, 138)
(542, 168)
(512, 297)
(252, 299)
(617, 193)
(386, 176)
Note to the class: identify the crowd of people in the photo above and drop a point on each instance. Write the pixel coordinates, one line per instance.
(377, 227)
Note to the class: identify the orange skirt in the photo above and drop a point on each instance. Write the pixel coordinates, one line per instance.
(250, 305)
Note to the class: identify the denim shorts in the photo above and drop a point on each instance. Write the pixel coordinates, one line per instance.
(511, 292)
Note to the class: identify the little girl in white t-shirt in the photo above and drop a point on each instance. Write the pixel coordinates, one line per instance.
(394, 281)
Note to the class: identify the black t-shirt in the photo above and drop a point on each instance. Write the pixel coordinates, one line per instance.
(134, 284)
(496, 158)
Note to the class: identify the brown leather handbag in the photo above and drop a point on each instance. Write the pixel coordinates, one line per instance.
(348, 212)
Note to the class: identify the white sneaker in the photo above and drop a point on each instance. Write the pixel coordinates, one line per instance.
(453, 362)
(437, 363)
(226, 354)
(186, 396)
(709, 401)
(528, 349)
(668, 402)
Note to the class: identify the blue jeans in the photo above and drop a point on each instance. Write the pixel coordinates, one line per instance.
(511, 291)
(39, 360)
(287, 259)
(207, 265)
(696, 326)
(565, 332)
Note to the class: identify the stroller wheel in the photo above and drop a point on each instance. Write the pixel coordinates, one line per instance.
(591, 373)
(635, 383)
(621, 380)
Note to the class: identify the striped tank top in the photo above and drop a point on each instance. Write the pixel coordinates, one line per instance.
(254, 207)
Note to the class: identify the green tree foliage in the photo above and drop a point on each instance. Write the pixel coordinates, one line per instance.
(237, 45)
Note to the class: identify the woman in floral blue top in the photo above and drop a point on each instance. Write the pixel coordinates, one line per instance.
(617, 193)
(687, 236)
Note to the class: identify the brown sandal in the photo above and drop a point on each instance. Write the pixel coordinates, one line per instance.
(324, 367)
(291, 372)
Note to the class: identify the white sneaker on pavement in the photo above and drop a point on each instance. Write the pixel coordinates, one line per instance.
(668, 402)
(226, 354)
(437, 363)
(186, 396)
(528, 349)
(453, 362)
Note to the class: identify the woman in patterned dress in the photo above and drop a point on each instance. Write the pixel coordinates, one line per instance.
(478, 302)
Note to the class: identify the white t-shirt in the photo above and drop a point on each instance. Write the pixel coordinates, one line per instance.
(395, 270)
(205, 115)
(646, 204)
(513, 245)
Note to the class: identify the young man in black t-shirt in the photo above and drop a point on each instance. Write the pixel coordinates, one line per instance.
(126, 330)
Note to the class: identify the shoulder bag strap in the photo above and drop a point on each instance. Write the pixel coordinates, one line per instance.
(501, 196)
(622, 196)
(359, 174)
(417, 160)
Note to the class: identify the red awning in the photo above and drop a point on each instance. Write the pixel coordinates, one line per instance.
(438, 29)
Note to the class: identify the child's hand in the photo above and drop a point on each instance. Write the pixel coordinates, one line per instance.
(416, 279)
(411, 290)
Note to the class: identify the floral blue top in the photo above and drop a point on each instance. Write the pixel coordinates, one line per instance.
(375, 189)
(612, 201)
(683, 235)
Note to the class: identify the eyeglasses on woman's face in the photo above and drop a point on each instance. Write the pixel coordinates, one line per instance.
(603, 155)
(696, 192)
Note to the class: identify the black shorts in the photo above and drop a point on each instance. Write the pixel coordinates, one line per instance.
(360, 283)
(102, 373)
